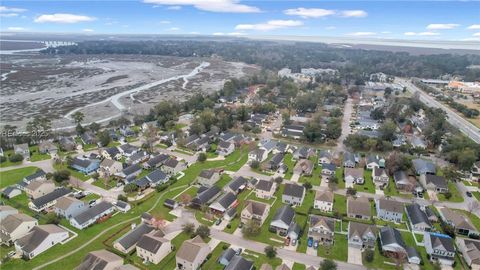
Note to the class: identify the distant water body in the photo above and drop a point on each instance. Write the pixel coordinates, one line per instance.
(438, 44)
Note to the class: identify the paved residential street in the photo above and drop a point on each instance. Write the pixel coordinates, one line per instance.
(346, 129)
(46, 165)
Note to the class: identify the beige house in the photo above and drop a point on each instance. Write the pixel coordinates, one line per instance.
(208, 178)
(101, 259)
(191, 254)
(153, 247)
(359, 208)
(265, 189)
(38, 189)
(323, 200)
(109, 167)
(255, 211)
(470, 250)
(15, 226)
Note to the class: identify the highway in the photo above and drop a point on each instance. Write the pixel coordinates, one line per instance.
(452, 117)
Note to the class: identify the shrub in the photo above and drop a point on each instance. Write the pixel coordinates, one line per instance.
(369, 255)
(2, 159)
(16, 158)
(202, 157)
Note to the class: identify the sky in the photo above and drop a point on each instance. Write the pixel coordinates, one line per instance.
(415, 20)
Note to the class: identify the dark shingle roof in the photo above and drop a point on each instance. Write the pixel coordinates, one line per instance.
(206, 195)
(157, 160)
(227, 255)
(131, 169)
(239, 263)
(156, 176)
(329, 166)
(57, 193)
(35, 175)
(438, 181)
(151, 243)
(285, 214)
(390, 235)
(264, 185)
(236, 183)
(294, 190)
(207, 174)
(416, 214)
(92, 212)
(442, 241)
(227, 199)
(132, 237)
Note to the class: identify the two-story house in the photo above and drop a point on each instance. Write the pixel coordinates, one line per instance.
(321, 229)
(293, 194)
(323, 200)
(254, 211)
(361, 235)
(389, 210)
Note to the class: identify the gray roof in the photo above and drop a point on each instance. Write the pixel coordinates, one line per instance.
(38, 173)
(227, 199)
(142, 182)
(8, 190)
(98, 260)
(389, 235)
(36, 236)
(412, 252)
(151, 243)
(156, 176)
(347, 156)
(329, 166)
(227, 254)
(294, 190)
(277, 159)
(239, 263)
(132, 237)
(112, 151)
(92, 212)
(326, 221)
(45, 199)
(416, 214)
(399, 176)
(236, 183)
(81, 162)
(441, 241)
(264, 185)
(128, 148)
(171, 162)
(422, 166)
(224, 144)
(208, 174)
(157, 160)
(390, 205)
(206, 195)
(325, 154)
(285, 214)
(131, 169)
(438, 181)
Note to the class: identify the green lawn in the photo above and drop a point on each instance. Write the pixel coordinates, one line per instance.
(391, 190)
(290, 163)
(379, 261)
(224, 179)
(477, 195)
(368, 186)
(340, 204)
(307, 202)
(183, 151)
(456, 196)
(7, 163)
(113, 143)
(73, 172)
(338, 251)
(212, 263)
(101, 183)
(202, 218)
(259, 259)
(11, 177)
(35, 155)
(339, 175)
(297, 266)
(391, 224)
(191, 191)
(240, 156)
(419, 237)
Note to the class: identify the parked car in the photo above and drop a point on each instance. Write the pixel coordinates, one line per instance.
(239, 251)
(92, 202)
(315, 244)
(469, 194)
(310, 242)
(294, 242)
(218, 222)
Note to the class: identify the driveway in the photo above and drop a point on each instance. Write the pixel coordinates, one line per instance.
(354, 255)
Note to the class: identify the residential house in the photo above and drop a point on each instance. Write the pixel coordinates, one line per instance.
(230, 214)
(169, 203)
(254, 211)
(380, 177)
(6, 210)
(304, 166)
(417, 218)
(109, 167)
(225, 202)
(130, 172)
(267, 145)
(265, 189)
(202, 144)
(68, 207)
(40, 239)
(462, 224)
(225, 148)
(205, 196)
(475, 169)
(239, 263)
(359, 208)
(227, 256)
(403, 181)
(39, 175)
(349, 160)
(328, 170)
(128, 242)
(111, 153)
(122, 206)
(258, 155)
(67, 144)
(276, 161)
(37, 189)
(157, 177)
(156, 161)
(321, 229)
(48, 200)
(191, 254)
(149, 125)
(423, 167)
(440, 247)
(85, 165)
(47, 147)
(303, 153)
(88, 138)
(392, 243)
(91, 215)
(294, 231)
(324, 200)
(15, 226)
(126, 131)
(283, 267)
(208, 177)
(153, 247)
(11, 192)
(127, 150)
(281, 147)
(138, 157)
(353, 176)
(293, 131)
(174, 166)
(372, 161)
(361, 235)
(101, 260)
(293, 194)
(325, 157)
(236, 185)
(22, 149)
(418, 142)
(434, 183)
(281, 221)
(389, 210)
(470, 250)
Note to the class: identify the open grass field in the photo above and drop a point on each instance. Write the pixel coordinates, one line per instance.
(338, 251)
(11, 177)
(456, 196)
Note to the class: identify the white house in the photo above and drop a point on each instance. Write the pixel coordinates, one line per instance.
(15, 226)
(91, 215)
(153, 248)
(353, 176)
(389, 210)
(324, 200)
(40, 239)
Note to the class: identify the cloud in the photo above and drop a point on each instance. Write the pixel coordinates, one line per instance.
(476, 34)
(8, 15)
(63, 18)
(309, 12)
(362, 34)
(354, 13)
(442, 26)
(386, 32)
(421, 34)
(174, 7)
(474, 27)
(226, 6)
(173, 29)
(471, 39)
(11, 9)
(270, 25)
(16, 29)
(165, 22)
(88, 30)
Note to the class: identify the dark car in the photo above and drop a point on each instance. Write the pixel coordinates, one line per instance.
(310, 242)
(469, 194)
